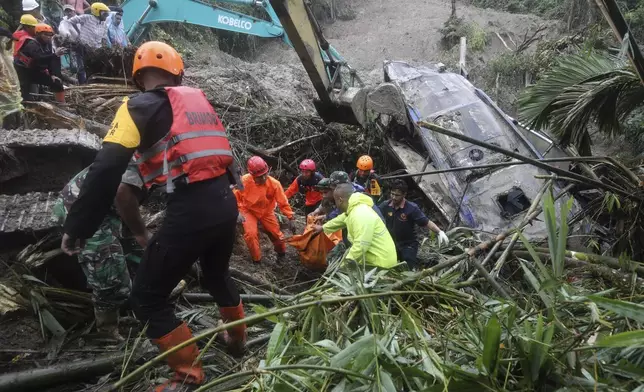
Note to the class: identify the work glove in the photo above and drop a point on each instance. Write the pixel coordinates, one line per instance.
(442, 238)
(241, 219)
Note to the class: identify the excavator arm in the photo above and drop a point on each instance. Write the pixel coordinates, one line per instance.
(340, 103)
(138, 15)
(292, 21)
(334, 103)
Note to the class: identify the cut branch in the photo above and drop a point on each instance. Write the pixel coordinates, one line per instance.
(532, 161)
(529, 40)
(276, 150)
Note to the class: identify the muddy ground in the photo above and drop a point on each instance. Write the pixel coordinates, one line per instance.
(409, 30)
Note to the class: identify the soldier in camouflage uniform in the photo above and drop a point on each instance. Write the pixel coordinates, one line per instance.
(103, 259)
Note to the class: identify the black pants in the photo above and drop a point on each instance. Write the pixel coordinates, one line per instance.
(168, 259)
(29, 77)
(309, 209)
(408, 253)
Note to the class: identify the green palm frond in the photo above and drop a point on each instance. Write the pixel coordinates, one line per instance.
(580, 90)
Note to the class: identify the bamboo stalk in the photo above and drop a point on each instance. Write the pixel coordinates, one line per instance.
(490, 279)
(599, 259)
(257, 298)
(487, 258)
(532, 161)
(235, 273)
(572, 262)
(254, 319)
(64, 372)
(498, 165)
(260, 371)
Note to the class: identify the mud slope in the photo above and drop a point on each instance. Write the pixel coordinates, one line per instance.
(405, 30)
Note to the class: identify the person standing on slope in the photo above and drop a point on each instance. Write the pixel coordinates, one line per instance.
(402, 216)
(180, 143)
(305, 183)
(257, 201)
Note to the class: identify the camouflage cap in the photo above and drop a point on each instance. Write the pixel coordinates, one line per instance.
(324, 183)
(339, 177)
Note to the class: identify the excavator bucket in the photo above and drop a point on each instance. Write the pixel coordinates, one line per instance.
(339, 103)
(361, 106)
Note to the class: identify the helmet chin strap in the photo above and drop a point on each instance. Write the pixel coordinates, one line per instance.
(177, 80)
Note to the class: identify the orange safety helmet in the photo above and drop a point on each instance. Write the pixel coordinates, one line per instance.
(155, 54)
(365, 163)
(257, 166)
(44, 28)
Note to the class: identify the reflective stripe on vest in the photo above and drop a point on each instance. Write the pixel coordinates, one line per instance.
(184, 159)
(195, 149)
(160, 146)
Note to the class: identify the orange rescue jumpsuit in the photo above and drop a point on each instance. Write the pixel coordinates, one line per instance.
(257, 204)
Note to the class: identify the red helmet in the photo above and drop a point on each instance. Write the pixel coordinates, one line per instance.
(257, 166)
(307, 164)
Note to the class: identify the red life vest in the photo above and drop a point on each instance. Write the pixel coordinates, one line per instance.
(18, 57)
(196, 148)
(18, 35)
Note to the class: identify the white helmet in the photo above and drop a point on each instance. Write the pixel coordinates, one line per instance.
(29, 5)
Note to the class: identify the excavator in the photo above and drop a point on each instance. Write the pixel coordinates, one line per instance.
(342, 97)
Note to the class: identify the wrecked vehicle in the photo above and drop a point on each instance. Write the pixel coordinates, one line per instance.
(491, 200)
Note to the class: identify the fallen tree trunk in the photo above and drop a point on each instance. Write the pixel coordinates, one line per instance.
(37, 379)
(246, 298)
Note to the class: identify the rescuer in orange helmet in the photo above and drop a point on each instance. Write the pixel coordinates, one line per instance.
(366, 177)
(34, 62)
(257, 204)
(179, 144)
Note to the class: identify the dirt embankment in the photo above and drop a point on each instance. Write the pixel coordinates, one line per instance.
(408, 30)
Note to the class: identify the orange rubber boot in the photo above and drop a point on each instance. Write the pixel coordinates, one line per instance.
(236, 336)
(59, 97)
(187, 373)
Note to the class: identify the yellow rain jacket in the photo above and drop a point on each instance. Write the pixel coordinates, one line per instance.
(369, 237)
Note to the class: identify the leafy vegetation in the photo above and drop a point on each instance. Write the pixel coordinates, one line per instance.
(390, 330)
(580, 91)
(547, 8)
(4, 18)
(455, 28)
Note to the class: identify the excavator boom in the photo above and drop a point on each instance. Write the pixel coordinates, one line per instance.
(293, 22)
(138, 15)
